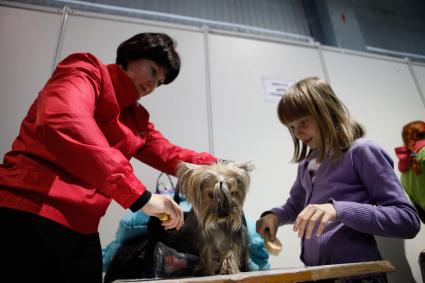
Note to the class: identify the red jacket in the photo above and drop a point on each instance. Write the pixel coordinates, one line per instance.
(73, 150)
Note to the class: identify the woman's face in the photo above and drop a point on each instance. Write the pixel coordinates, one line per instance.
(307, 130)
(146, 75)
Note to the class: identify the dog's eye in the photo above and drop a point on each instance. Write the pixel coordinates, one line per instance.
(210, 195)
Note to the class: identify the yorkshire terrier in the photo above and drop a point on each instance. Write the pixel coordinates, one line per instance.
(214, 230)
(217, 193)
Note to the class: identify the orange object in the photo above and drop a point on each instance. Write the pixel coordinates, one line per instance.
(273, 247)
(163, 217)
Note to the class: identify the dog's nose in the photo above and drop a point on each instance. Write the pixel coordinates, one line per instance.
(223, 200)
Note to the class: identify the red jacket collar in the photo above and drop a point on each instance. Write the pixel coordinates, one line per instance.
(124, 88)
(403, 155)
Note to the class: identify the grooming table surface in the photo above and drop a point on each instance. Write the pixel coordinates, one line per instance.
(287, 275)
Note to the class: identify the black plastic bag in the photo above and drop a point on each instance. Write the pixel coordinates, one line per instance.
(170, 263)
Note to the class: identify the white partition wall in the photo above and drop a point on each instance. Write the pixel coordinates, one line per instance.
(380, 94)
(219, 101)
(419, 75)
(27, 42)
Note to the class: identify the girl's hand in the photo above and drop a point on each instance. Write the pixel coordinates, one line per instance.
(310, 215)
(268, 224)
(160, 204)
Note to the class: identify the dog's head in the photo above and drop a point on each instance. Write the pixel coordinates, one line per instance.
(216, 192)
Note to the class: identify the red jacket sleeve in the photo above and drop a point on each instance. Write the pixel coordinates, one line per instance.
(65, 123)
(159, 153)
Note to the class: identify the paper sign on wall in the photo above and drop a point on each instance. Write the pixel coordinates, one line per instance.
(274, 89)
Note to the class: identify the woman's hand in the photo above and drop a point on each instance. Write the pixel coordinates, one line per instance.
(312, 214)
(164, 204)
(268, 224)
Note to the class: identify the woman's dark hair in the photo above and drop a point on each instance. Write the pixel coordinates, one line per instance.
(157, 47)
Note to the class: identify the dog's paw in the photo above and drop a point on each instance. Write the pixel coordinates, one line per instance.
(229, 267)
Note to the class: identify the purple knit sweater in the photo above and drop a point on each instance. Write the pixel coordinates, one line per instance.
(368, 198)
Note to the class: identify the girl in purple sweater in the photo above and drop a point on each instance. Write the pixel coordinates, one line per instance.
(346, 190)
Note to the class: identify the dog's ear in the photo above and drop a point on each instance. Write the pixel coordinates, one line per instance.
(248, 166)
(184, 168)
(185, 181)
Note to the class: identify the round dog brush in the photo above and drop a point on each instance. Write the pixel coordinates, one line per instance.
(273, 247)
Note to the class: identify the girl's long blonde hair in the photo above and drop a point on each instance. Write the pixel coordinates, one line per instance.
(314, 97)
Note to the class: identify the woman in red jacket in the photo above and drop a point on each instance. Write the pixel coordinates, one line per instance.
(71, 159)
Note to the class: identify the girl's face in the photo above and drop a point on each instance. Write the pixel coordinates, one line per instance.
(307, 130)
(146, 75)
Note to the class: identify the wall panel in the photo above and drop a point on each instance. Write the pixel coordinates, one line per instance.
(380, 94)
(419, 72)
(27, 43)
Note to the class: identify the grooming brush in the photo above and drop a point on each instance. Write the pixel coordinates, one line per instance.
(163, 216)
(273, 247)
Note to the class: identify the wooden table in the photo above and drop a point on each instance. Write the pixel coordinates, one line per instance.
(287, 275)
